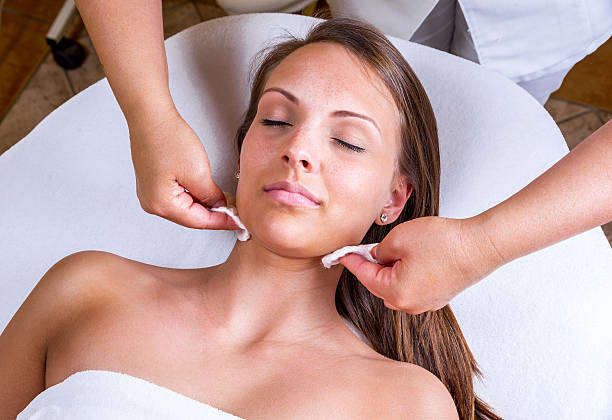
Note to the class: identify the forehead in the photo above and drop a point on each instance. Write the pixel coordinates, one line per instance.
(329, 77)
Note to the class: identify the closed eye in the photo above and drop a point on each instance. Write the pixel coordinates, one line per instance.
(342, 143)
(266, 121)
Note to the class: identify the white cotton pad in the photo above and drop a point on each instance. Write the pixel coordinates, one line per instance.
(243, 234)
(232, 211)
(363, 250)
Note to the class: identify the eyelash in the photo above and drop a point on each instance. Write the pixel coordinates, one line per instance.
(276, 123)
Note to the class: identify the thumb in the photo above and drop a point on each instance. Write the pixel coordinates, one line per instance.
(185, 211)
(384, 253)
(205, 192)
(375, 277)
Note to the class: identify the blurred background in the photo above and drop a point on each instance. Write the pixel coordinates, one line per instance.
(32, 84)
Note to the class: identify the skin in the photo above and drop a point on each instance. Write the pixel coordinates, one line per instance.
(438, 257)
(279, 271)
(266, 317)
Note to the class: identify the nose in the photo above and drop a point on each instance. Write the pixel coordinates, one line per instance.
(300, 151)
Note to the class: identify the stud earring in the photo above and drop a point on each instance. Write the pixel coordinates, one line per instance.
(237, 173)
(383, 217)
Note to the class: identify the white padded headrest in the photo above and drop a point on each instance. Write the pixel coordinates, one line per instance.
(539, 327)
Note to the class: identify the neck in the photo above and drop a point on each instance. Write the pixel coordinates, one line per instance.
(259, 296)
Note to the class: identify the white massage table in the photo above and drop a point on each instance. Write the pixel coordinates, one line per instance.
(539, 327)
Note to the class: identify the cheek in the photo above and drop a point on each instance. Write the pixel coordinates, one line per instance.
(357, 193)
(255, 153)
(255, 156)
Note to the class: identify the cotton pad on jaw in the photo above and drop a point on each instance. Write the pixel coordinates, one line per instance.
(363, 250)
(231, 210)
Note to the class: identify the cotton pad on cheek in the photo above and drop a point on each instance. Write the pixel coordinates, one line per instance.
(231, 210)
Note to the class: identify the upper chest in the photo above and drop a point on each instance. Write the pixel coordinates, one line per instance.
(169, 348)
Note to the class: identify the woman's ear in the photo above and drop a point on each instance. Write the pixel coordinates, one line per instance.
(397, 200)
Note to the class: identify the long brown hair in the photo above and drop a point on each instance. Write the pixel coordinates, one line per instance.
(432, 340)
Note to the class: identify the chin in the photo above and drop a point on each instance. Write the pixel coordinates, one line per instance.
(295, 232)
(293, 239)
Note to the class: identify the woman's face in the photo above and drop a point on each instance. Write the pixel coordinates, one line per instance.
(307, 131)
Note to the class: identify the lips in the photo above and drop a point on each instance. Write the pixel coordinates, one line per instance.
(293, 187)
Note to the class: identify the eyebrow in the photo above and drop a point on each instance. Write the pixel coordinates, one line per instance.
(340, 113)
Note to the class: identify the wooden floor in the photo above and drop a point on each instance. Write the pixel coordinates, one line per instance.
(22, 44)
(590, 80)
(32, 84)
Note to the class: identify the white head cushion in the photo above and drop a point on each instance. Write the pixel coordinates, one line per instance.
(539, 327)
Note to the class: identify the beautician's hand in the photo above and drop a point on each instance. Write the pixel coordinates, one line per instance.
(427, 261)
(168, 158)
(435, 258)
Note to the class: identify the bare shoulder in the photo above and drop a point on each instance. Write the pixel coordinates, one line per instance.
(74, 282)
(67, 288)
(414, 392)
(87, 277)
(85, 280)
(108, 266)
(429, 396)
